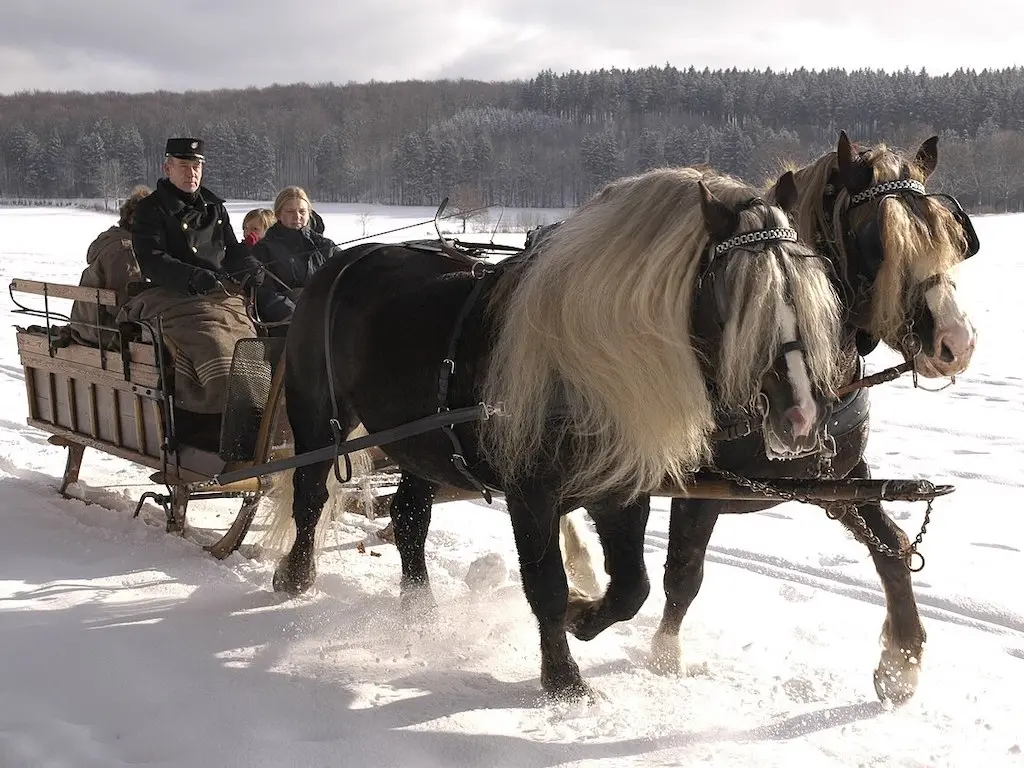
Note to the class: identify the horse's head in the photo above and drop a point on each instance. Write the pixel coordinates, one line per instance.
(901, 244)
(769, 319)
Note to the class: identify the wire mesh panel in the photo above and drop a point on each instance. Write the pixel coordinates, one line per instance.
(252, 371)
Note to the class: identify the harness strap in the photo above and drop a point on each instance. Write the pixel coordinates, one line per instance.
(335, 422)
(447, 370)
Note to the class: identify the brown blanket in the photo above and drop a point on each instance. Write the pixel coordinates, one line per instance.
(201, 331)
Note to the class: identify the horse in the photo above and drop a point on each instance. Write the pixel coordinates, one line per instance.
(893, 245)
(568, 348)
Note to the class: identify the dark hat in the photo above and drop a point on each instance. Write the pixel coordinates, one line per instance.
(186, 149)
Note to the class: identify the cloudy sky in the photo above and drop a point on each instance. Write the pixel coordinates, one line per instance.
(141, 45)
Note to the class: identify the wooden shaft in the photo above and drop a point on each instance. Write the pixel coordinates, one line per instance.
(823, 491)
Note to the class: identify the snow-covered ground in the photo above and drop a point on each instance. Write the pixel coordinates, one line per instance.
(123, 645)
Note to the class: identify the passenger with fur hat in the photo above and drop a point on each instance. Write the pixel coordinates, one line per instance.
(112, 265)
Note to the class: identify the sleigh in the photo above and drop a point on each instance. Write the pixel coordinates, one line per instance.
(118, 399)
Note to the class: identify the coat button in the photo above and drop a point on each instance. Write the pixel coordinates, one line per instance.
(218, 221)
(194, 249)
(184, 225)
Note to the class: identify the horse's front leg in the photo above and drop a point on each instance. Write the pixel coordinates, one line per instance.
(903, 635)
(691, 522)
(621, 530)
(535, 527)
(410, 514)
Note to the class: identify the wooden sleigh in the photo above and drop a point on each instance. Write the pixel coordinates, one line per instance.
(120, 401)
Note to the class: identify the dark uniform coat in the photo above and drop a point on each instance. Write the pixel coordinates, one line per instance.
(175, 234)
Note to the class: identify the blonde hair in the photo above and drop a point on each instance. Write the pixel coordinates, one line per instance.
(264, 218)
(929, 243)
(288, 194)
(599, 321)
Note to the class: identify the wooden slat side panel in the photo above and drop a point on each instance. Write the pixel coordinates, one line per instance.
(144, 380)
(107, 432)
(89, 357)
(30, 393)
(152, 414)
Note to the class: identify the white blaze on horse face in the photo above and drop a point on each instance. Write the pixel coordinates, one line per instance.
(799, 378)
(954, 333)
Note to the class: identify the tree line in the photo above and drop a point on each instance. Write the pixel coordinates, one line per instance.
(544, 142)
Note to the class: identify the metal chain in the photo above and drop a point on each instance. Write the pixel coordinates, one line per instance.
(910, 556)
(907, 555)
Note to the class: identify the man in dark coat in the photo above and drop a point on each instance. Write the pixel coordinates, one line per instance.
(181, 233)
(195, 268)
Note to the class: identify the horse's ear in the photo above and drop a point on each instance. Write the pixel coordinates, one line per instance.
(785, 192)
(927, 157)
(844, 154)
(717, 216)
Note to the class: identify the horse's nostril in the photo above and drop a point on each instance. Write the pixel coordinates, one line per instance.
(798, 421)
(946, 354)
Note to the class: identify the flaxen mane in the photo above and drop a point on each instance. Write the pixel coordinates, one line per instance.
(759, 283)
(920, 237)
(599, 320)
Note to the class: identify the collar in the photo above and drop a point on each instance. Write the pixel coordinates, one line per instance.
(177, 199)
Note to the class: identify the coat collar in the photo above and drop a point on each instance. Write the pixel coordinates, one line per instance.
(285, 234)
(176, 201)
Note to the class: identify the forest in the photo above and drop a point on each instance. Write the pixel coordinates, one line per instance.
(549, 141)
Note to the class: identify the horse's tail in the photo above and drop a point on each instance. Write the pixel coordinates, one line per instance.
(279, 534)
(577, 556)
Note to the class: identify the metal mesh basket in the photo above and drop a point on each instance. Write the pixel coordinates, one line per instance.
(252, 371)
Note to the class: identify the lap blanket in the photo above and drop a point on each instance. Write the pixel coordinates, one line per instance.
(201, 331)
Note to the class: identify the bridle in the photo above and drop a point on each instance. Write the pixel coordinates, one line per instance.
(754, 241)
(864, 248)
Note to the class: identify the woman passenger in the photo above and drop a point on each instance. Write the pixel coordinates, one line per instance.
(292, 252)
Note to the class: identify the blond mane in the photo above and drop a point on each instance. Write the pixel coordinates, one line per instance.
(759, 283)
(599, 321)
(924, 243)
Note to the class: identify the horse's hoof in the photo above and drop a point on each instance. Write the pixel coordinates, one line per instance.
(418, 601)
(577, 692)
(579, 612)
(665, 658)
(896, 678)
(291, 580)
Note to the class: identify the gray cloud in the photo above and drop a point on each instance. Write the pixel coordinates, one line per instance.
(198, 45)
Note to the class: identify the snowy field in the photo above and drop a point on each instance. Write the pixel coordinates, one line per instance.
(123, 645)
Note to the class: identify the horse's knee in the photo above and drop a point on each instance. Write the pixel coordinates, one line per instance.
(626, 603)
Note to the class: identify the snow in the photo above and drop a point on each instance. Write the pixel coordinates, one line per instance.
(124, 645)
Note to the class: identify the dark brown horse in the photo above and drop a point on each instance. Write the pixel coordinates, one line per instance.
(893, 245)
(572, 344)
